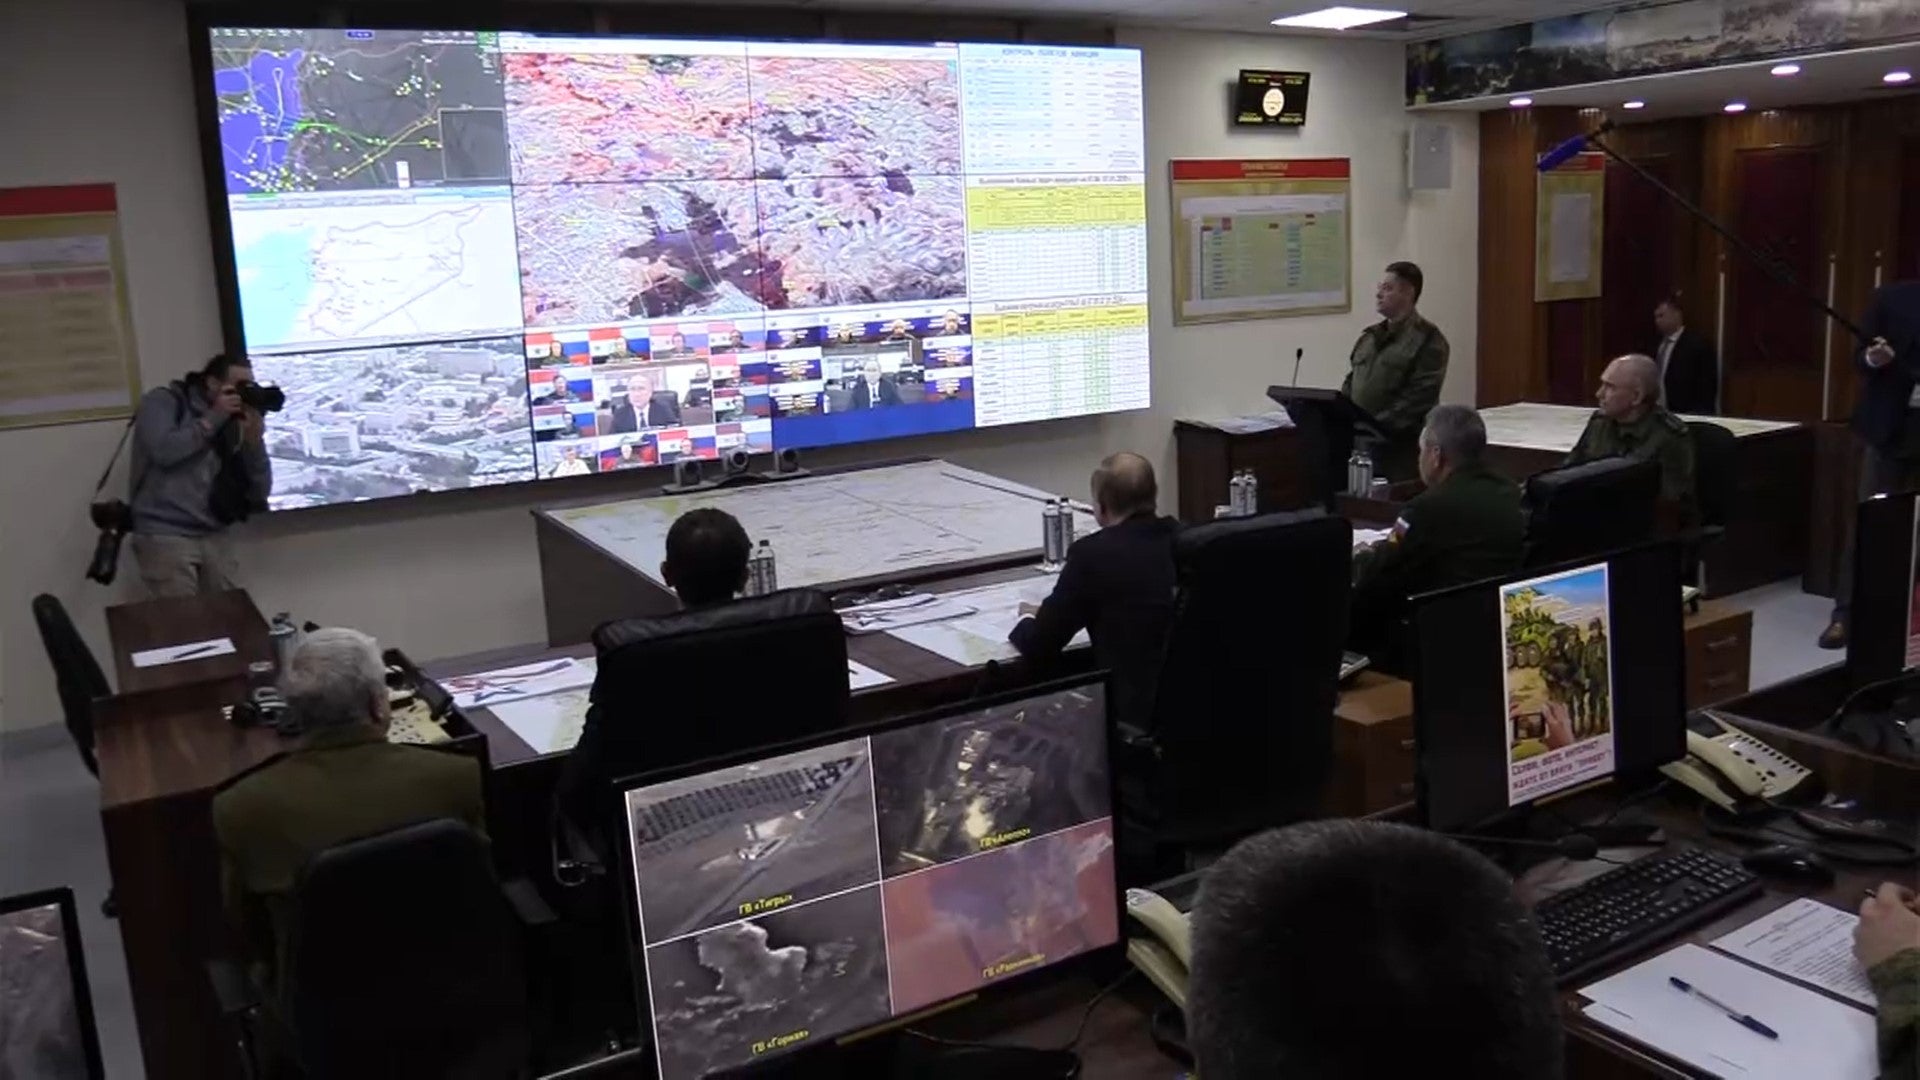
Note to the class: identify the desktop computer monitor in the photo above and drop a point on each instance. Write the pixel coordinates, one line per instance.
(1581, 510)
(779, 900)
(46, 1011)
(1884, 615)
(1527, 686)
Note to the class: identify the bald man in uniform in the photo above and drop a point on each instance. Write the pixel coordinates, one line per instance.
(1117, 585)
(1632, 423)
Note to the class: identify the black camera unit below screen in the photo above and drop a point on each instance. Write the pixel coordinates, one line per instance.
(261, 397)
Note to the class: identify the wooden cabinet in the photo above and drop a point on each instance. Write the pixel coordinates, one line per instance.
(1719, 645)
(1372, 746)
(1205, 457)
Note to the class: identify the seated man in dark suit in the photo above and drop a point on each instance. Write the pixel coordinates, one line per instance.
(1689, 368)
(1117, 585)
(344, 782)
(706, 562)
(1350, 950)
(1466, 526)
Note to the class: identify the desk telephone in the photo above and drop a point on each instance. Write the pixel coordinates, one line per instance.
(1166, 954)
(1729, 768)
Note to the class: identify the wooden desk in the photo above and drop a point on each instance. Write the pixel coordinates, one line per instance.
(1372, 746)
(156, 624)
(1767, 521)
(1206, 457)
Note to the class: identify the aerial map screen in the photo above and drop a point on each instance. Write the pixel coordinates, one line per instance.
(781, 903)
(474, 258)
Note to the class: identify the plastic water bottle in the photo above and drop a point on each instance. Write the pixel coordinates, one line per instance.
(1363, 475)
(1064, 523)
(769, 576)
(1249, 493)
(760, 573)
(285, 637)
(1050, 550)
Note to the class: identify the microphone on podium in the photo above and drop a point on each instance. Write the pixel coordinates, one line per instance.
(1566, 151)
(1297, 354)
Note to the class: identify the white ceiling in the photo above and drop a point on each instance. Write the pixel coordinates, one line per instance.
(1823, 79)
(1430, 18)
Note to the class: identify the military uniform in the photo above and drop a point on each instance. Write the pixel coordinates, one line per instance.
(1466, 528)
(1396, 376)
(344, 783)
(1658, 436)
(1896, 983)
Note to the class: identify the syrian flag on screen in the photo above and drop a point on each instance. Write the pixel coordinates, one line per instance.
(540, 346)
(604, 342)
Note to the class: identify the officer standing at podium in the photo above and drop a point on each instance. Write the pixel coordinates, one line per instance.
(1398, 366)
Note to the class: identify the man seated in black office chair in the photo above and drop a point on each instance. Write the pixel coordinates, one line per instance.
(1350, 949)
(1466, 526)
(344, 782)
(1117, 585)
(706, 562)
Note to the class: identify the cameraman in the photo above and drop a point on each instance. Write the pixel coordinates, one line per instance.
(199, 465)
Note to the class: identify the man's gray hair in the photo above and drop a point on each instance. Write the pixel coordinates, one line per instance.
(1645, 371)
(336, 677)
(1456, 431)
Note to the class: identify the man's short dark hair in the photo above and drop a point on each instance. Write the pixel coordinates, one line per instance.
(1672, 300)
(707, 556)
(1458, 432)
(1410, 274)
(1345, 949)
(1123, 485)
(216, 368)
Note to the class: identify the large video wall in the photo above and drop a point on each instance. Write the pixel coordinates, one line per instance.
(476, 257)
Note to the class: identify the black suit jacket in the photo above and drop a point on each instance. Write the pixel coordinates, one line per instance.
(1117, 585)
(1882, 413)
(863, 397)
(1693, 374)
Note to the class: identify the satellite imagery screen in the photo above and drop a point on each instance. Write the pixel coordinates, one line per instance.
(431, 191)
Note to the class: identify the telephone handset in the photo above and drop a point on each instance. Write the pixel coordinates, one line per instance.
(1732, 769)
(1166, 954)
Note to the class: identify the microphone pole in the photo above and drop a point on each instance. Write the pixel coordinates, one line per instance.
(1297, 354)
(1772, 267)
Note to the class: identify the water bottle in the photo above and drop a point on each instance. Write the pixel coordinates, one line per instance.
(1066, 527)
(1363, 474)
(1250, 494)
(1235, 498)
(769, 578)
(1050, 550)
(284, 636)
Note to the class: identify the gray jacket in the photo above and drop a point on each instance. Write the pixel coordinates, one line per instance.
(174, 463)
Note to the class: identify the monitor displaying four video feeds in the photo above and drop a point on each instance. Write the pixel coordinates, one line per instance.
(822, 889)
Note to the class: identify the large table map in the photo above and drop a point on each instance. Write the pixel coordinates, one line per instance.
(844, 527)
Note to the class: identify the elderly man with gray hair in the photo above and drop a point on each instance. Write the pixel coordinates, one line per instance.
(343, 782)
(1632, 423)
(1465, 526)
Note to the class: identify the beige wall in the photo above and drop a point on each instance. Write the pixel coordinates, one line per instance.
(107, 96)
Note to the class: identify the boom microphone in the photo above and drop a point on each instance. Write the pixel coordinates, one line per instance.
(1297, 354)
(1566, 151)
(1576, 846)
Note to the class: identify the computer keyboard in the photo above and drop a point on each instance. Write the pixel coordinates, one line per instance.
(1624, 910)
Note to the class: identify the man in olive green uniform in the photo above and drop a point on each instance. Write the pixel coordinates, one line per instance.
(1632, 423)
(1886, 941)
(1398, 366)
(1466, 526)
(345, 782)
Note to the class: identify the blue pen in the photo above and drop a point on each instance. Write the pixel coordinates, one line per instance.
(1733, 1014)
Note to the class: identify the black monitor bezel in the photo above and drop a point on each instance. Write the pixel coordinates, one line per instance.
(1422, 718)
(1872, 659)
(82, 990)
(1092, 959)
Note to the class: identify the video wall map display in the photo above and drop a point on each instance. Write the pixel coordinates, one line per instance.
(476, 257)
(1259, 239)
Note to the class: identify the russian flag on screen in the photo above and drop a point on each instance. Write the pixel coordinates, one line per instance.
(573, 343)
(604, 341)
(636, 338)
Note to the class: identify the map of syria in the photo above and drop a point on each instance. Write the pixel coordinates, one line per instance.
(583, 118)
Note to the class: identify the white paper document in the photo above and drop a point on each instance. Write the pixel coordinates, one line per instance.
(1571, 258)
(1820, 1038)
(550, 723)
(976, 639)
(885, 615)
(486, 689)
(1809, 941)
(174, 654)
(1363, 537)
(860, 676)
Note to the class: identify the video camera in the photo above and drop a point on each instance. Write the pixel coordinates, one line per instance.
(114, 519)
(261, 398)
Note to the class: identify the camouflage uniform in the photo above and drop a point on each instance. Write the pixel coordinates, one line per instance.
(1594, 667)
(1896, 982)
(1658, 436)
(1397, 372)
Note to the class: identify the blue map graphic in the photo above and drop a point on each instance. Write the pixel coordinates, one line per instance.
(254, 141)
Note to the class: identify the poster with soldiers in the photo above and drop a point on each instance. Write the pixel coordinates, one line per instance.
(1913, 601)
(1559, 682)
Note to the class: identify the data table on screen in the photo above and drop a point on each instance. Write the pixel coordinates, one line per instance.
(1034, 362)
(1037, 109)
(1066, 236)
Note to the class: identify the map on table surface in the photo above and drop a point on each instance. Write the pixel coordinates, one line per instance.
(1534, 425)
(551, 723)
(973, 640)
(830, 529)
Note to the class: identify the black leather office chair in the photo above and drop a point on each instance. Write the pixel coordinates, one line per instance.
(680, 688)
(405, 958)
(1715, 481)
(1241, 735)
(1584, 510)
(76, 674)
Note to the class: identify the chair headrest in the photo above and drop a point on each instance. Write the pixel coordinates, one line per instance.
(1209, 541)
(754, 611)
(1566, 475)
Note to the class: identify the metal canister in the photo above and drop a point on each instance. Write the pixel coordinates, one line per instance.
(1363, 474)
(1050, 549)
(285, 636)
(1250, 494)
(1064, 523)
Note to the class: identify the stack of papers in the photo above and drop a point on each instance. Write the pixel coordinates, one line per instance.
(981, 636)
(489, 689)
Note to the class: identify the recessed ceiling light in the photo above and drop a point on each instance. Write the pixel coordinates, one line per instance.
(1734, 106)
(1897, 77)
(1784, 70)
(1519, 102)
(1636, 103)
(1339, 18)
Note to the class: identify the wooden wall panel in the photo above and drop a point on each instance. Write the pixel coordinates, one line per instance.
(1502, 373)
(1907, 256)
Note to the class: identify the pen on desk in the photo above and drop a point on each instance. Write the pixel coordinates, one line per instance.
(197, 650)
(1733, 1014)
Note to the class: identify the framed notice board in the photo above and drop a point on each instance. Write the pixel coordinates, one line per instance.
(1259, 239)
(1569, 219)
